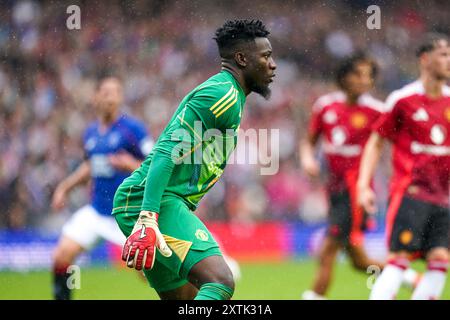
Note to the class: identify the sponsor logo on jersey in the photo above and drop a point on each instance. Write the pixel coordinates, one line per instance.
(358, 120)
(434, 150)
(438, 134)
(338, 136)
(101, 167)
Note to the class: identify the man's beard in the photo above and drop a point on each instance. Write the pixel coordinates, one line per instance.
(263, 91)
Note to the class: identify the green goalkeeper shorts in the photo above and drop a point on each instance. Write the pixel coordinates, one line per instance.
(184, 233)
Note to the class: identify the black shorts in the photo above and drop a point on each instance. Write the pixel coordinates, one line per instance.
(346, 222)
(418, 226)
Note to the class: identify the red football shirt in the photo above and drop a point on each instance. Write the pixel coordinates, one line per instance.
(419, 129)
(345, 129)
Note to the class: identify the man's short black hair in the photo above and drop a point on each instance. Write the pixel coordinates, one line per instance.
(429, 42)
(236, 32)
(348, 65)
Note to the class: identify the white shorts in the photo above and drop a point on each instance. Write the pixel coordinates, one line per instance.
(87, 227)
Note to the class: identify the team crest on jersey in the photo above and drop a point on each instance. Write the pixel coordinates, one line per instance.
(358, 120)
(201, 235)
(447, 114)
(438, 134)
(420, 115)
(406, 237)
(338, 136)
(330, 117)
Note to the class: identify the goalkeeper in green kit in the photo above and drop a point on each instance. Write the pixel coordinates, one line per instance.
(154, 206)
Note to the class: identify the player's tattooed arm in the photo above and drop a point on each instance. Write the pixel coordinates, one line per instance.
(79, 176)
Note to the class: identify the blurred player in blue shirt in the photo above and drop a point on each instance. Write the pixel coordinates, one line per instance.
(114, 146)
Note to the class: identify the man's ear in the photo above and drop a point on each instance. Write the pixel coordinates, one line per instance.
(424, 58)
(240, 59)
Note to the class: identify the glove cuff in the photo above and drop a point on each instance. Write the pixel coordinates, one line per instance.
(148, 219)
(149, 215)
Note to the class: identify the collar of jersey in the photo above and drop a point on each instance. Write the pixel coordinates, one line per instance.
(234, 81)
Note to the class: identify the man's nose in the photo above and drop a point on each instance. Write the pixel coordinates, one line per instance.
(272, 64)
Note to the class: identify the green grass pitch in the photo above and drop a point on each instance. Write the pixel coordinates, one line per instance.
(269, 280)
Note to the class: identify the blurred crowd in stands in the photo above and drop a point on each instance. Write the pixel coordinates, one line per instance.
(162, 50)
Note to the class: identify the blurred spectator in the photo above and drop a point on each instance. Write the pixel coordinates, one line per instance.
(162, 49)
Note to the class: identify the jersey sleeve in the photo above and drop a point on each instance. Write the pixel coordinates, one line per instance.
(176, 142)
(389, 123)
(85, 139)
(158, 176)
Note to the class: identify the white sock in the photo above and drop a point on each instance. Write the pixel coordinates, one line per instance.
(432, 283)
(390, 280)
(410, 278)
(311, 295)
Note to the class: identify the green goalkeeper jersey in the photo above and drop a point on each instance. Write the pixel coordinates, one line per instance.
(192, 151)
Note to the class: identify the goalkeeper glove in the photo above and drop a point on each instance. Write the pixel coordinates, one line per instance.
(139, 249)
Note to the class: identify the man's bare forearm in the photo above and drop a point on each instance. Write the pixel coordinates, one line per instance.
(80, 176)
(369, 160)
(307, 147)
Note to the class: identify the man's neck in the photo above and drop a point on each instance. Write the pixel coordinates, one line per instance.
(351, 99)
(432, 86)
(107, 120)
(236, 74)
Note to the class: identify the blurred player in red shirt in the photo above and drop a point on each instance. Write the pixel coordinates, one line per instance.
(417, 123)
(343, 119)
